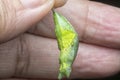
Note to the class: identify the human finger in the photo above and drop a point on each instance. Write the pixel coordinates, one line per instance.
(95, 23)
(18, 15)
(37, 57)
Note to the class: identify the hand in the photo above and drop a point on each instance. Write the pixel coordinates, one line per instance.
(35, 54)
(16, 17)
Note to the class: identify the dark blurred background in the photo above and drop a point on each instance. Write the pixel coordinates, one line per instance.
(117, 4)
(110, 2)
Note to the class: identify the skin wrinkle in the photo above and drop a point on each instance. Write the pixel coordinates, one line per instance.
(88, 28)
(18, 58)
(86, 23)
(19, 68)
(19, 49)
(23, 58)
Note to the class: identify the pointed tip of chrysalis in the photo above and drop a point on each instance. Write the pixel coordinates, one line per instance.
(66, 74)
(53, 11)
(61, 21)
(60, 76)
(55, 14)
(57, 18)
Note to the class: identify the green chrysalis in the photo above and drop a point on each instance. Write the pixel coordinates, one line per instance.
(67, 42)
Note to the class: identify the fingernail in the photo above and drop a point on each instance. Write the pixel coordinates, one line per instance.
(32, 3)
(59, 3)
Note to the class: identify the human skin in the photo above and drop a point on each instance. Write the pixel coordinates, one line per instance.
(34, 54)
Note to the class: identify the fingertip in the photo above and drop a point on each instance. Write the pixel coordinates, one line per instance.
(59, 3)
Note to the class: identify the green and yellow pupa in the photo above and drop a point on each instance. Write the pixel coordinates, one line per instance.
(68, 44)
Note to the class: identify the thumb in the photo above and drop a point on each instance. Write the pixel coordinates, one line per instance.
(16, 16)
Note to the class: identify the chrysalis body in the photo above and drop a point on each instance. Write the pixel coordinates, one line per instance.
(67, 42)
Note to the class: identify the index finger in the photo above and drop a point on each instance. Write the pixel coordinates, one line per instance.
(95, 23)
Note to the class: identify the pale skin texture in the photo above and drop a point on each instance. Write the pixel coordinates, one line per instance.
(34, 53)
